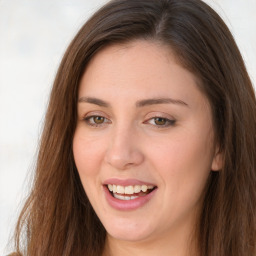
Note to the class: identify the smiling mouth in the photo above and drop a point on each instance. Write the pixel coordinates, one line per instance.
(129, 192)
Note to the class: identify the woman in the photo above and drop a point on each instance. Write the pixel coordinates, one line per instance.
(149, 140)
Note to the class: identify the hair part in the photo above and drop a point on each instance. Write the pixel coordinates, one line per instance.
(58, 218)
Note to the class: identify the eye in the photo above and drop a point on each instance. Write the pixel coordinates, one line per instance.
(161, 121)
(96, 120)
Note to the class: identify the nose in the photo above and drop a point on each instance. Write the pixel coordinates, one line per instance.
(124, 151)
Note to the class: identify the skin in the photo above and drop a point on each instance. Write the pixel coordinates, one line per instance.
(130, 143)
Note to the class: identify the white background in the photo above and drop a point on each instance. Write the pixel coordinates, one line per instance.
(33, 37)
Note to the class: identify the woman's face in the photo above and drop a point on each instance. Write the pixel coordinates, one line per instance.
(143, 144)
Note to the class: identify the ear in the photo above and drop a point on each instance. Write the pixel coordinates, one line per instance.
(217, 162)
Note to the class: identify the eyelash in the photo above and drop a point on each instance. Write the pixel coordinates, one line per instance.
(93, 124)
(167, 122)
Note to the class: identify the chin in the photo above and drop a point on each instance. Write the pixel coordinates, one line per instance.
(127, 230)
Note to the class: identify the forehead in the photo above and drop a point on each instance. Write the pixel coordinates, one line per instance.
(138, 69)
(145, 55)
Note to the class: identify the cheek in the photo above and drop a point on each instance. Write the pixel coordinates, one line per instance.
(88, 155)
(183, 164)
(184, 154)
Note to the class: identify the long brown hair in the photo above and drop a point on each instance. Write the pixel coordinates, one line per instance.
(58, 219)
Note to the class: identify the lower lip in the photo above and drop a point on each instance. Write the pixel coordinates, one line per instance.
(127, 205)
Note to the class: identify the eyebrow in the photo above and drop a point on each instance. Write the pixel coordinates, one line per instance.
(155, 101)
(95, 101)
(140, 103)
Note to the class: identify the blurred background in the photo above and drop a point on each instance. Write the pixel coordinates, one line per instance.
(33, 37)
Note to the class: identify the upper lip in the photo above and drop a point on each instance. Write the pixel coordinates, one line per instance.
(126, 182)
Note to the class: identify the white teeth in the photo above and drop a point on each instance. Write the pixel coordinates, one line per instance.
(124, 197)
(144, 188)
(128, 190)
(137, 189)
(119, 189)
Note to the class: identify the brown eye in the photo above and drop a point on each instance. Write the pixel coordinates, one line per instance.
(160, 121)
(98, 119)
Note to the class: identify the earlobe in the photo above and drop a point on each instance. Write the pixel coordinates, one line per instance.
(217, 162)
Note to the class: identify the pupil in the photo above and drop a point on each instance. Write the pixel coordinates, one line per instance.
(160, 121)
(98, 119)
